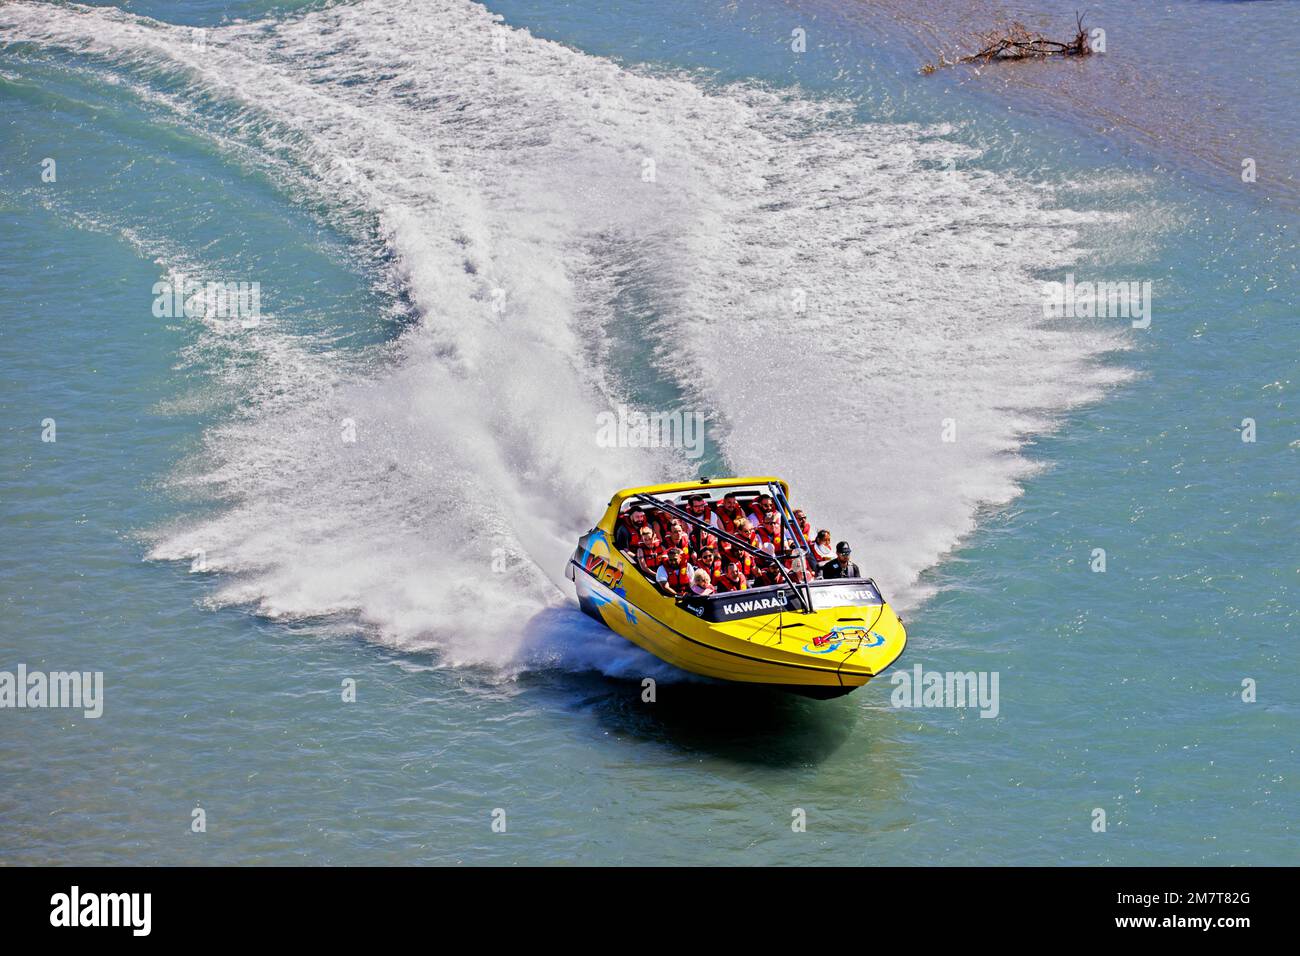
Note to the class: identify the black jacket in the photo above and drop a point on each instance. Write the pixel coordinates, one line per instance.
(839, 569)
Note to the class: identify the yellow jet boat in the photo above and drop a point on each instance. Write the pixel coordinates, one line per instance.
(820, 638)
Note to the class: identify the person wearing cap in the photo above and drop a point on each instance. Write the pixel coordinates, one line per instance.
(765, 572)
(769, 532)
(842, 566)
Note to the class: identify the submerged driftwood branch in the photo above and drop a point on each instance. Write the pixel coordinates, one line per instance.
(1017, 42)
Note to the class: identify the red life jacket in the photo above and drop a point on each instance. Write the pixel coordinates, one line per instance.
(727, 521)
(679, 578)
(652, 559)
(698, 535)
(703, 516)
(661, 521)
(634, 535)
(767, 537)
(792, 563)
(746, 564)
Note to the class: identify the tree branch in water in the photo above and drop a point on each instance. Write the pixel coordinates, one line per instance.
(1017, 42)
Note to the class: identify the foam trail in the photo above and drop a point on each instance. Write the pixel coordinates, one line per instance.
(496, 164)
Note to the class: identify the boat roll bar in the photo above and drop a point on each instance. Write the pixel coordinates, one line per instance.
(787, 515)
(804, 593)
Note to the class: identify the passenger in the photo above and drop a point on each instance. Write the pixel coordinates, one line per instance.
(708, 560)
(734, 579)
(728, 511)
(698, 506)
(702, 583)
(821, 548)
(629, 528)
(793, 557)
(677, 536)
(767, 572)
(745, 532)
(701, 537)
(796, 562)
(763, 507)
(801, 520)
(650, 554)
(659, 518)
(746, 564)
(770, 532)
(842, 566)
(675, 574)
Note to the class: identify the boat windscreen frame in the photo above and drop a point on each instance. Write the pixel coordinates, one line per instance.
(787, 516)
(799, 588)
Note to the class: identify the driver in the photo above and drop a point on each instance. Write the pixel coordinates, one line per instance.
(842, 566)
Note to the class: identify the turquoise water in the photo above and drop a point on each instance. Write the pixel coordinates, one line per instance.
(202, 534)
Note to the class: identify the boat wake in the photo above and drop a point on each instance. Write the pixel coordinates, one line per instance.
(826, 292)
